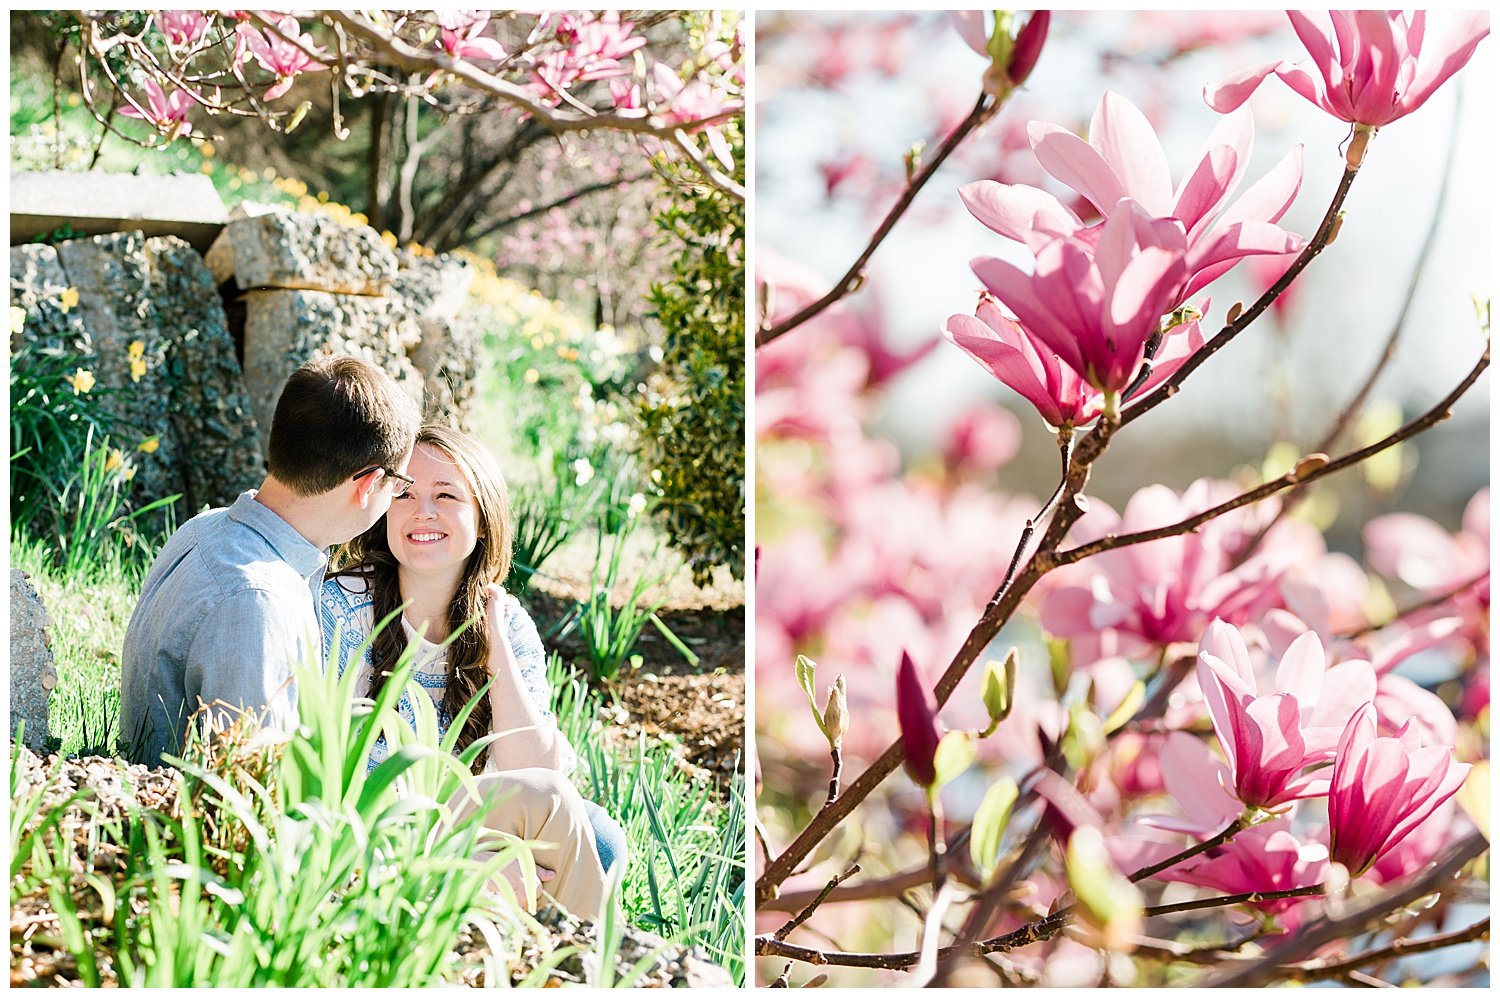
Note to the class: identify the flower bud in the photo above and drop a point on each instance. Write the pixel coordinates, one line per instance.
(836, 714)
(1028, 47)
(917, 715)
(997, 688)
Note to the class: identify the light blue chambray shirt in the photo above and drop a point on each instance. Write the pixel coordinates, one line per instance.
(227, 610)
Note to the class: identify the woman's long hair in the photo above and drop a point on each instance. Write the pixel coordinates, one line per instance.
(369, 557)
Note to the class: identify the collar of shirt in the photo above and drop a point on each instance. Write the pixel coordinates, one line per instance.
(296, 550)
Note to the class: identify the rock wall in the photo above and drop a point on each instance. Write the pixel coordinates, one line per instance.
(150, 327)
(297, 286)
(32, 676)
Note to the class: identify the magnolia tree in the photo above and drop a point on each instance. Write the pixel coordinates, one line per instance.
(1212, 764)
(571, 72)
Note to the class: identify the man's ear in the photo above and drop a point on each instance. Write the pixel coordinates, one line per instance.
(366, 486)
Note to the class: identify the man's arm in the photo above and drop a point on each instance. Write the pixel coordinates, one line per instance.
(244, 653)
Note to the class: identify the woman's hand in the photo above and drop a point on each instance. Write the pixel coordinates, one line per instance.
(497, 607)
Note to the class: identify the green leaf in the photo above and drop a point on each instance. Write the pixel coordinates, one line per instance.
(990, 822)
(1110, 903)
(1127, 708)
(807, 679)
(955, 752)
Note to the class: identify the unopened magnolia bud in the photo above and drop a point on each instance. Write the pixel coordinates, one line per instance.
(1356, 154)
(1235, 310)
(1028, 46)
(836, 714)
(1308, 465)
(997, 688)
(1333, 232)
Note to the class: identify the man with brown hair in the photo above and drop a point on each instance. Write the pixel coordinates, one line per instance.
(229, 606)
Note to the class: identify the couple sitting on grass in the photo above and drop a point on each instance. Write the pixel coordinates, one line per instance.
(421, 519)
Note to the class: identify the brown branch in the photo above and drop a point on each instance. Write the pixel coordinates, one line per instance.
(1401, 947)
(411, 59)
(1426, 604)
(806, 913)
(1031, 932)
(886, 887)
(1094, 443)
(984, 108)
(1350, 411)
(1427, 420)
(1360, 913)
(1235, 827)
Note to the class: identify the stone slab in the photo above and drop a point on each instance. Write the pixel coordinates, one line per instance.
(97, 203)
(309, 252)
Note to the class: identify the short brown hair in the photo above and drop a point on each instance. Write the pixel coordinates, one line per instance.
(336, 417)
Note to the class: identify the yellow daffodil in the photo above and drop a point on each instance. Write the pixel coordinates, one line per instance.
(114, 460)
(149, 445)
(137, 370)
(137, 350)
(81, 381)
(68, 299)
(17, 319)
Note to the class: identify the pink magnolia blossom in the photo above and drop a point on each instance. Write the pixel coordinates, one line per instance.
(917, 714)
(1005, 348)
(1123, 159)
(1426, 557)
(1198, 781)
(183, 27)
(1164, 591)
(1383, 788)
(282, 54)
(1270, 739)
(165, 112)
(460, 35)
(1095, 305)
(593, 48)
(982, 440)
(1265, 858)
(1370, 69)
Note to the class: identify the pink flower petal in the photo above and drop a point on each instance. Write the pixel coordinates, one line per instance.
(1128, 143)
(1077, 164)
(1236, 88)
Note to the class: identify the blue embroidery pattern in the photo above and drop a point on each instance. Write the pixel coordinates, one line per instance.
(353, 616)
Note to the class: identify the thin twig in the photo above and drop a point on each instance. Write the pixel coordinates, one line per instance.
(1065, 447)
(1401, 947)
(1235, 827)
(1356, 404)
(1426, 604)
(1430, 418)
(806, 913)
(984, 108)
(833, 779)
(1031, 932)
(1359, 914)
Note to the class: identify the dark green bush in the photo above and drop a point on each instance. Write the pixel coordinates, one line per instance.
(692, 439)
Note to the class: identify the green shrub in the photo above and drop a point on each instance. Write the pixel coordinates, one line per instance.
(692, 436)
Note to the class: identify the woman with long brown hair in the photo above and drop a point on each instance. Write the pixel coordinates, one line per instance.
(440, 554)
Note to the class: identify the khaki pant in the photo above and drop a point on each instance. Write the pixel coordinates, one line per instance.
(542, 805)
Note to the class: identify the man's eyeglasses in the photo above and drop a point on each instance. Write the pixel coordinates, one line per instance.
(394, 476)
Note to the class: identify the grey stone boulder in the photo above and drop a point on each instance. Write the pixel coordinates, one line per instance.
(286, 329)
(32, 676)
(308, 251)
(215, 433)
(435, 290)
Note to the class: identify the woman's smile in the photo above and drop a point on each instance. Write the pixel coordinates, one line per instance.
(434, 524)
